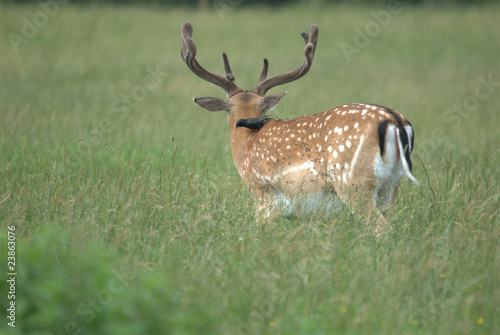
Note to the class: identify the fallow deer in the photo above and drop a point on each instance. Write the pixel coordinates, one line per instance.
(356, 153)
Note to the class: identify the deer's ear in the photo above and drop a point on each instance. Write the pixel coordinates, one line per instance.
(271, 101)
(213, 104)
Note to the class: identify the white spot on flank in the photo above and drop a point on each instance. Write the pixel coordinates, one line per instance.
(328, 117)
(341, 148)
(364, 111)
(348, 143)
(326, 138)
(346, 127)
(335, 154)
(356, 154)
(356, 125)
(329, 149)
(306, 165)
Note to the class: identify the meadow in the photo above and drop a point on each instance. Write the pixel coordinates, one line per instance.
(130, 217)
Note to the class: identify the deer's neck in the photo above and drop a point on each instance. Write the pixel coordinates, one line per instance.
(241, 144)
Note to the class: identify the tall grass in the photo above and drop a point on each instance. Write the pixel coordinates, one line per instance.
(135, 221)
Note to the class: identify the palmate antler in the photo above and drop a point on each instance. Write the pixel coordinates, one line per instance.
(265, 85)
(188, 54)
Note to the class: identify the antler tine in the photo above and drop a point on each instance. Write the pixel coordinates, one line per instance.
(227, 67)
(188, 54)
(305, 36)
(263, 74)
(311, 40)
(312, 37)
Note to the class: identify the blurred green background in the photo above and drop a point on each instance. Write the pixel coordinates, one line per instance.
(130, 217)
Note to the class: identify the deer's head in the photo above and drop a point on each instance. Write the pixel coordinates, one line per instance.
(239, 104)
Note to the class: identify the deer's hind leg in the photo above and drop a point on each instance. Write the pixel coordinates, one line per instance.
(362, 201)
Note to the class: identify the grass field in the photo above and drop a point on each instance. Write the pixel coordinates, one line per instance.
(131, 219)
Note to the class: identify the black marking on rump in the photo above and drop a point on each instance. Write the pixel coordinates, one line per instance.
(255, 123)
(412, 139)
(406, 147)
(382, 129)
(403, 135)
